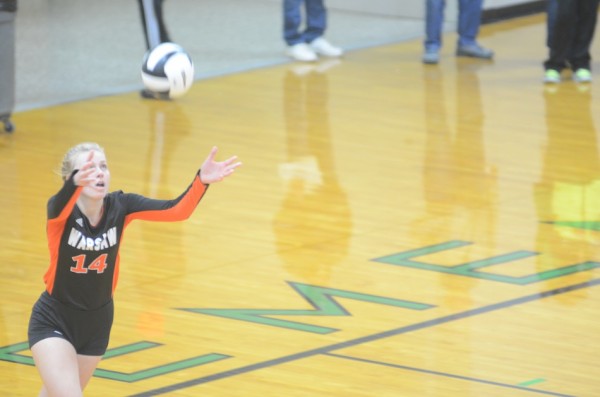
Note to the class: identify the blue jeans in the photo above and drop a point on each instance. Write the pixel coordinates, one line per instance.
(469, 20)
(316, 21)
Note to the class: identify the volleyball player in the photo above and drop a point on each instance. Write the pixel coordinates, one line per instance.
(70, 323)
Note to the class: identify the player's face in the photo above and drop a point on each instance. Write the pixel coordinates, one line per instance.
(101, 173)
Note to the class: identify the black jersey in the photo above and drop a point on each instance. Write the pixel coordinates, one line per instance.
(84, 259)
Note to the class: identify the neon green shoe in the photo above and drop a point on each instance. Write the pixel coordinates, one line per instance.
(582, 75)
(552, 76)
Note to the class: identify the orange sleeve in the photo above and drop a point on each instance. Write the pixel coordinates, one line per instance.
(140, 207)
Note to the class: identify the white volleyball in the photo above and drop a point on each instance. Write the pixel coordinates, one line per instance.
(168, 69)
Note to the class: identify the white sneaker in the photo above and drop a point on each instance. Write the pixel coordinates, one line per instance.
(323, 47)
(301, 52)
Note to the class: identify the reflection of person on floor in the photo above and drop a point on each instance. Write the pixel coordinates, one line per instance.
(569, 189)
(459, 194)
(169, 126)
(456, 174)
(459, 186)
(313, 225)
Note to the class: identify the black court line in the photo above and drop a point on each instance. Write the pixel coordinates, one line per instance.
(369, 338)
(448, 375)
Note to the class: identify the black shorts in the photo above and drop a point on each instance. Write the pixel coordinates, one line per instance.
(87, 330)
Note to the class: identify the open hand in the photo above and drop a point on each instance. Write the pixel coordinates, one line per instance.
(86, 176)
(215, 171)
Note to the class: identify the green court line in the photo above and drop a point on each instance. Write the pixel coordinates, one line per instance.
(587, 225)
(323, 301)
(11, 353)
(159, 370)
(373, 337)
(472, 269)
(532, 382)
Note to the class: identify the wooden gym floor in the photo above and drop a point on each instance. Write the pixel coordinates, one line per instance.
(396, 230)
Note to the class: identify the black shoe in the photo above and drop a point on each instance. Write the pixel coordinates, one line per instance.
(145, 93)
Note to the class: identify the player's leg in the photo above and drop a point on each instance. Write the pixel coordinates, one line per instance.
(87, 366)
(57, 364)
(93, 327)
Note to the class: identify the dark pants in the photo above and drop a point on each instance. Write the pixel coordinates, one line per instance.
(7, 62)
(571, 26)
(155, 30)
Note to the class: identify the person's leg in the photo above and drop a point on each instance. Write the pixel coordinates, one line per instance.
(587, 13)
(292, 18)
(57, 364)
(316, 24)
(551, 11)
(469, 20)
(155, 31)
(164, 33)
(298, 48)
(434, 20)
(563, 34)
(87, 366)
(316, 20)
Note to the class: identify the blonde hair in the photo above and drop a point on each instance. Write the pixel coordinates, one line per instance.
(67, 165)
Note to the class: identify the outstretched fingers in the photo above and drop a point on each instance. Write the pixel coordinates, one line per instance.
(231, 164)
(215, 171)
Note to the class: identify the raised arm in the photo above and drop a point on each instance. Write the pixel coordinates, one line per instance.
(139, 207)
(61, 204)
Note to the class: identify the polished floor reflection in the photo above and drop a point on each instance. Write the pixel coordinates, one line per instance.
(396, 230)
